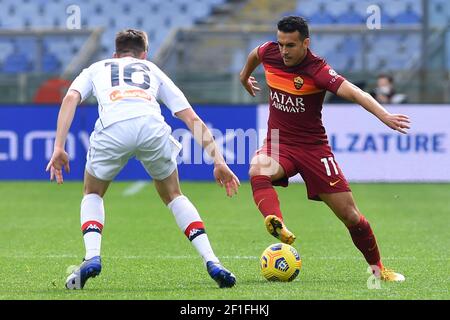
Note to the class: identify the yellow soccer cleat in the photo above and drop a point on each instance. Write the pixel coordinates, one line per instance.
(277, 228)
(390, 275)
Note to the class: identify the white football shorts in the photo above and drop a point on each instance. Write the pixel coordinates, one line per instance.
(148, 138)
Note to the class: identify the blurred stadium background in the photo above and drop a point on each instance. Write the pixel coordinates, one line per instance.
(202, 45)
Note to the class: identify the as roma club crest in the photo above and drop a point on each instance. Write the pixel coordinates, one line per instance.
(298, 82)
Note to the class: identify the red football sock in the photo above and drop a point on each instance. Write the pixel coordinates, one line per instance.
(364, 240)
(265, 196)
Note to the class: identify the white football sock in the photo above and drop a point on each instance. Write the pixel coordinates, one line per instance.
(92, 222)
(189, 221)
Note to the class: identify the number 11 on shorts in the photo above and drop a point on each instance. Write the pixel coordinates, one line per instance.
(327, 166)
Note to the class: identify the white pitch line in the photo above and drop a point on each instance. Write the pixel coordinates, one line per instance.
(197, 257)
(134, 188)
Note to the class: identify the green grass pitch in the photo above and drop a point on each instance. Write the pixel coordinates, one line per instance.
(145, 256)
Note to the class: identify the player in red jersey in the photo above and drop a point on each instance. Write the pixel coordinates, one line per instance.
(297, 142)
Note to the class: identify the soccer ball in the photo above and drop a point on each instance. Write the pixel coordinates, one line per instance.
(280, 262)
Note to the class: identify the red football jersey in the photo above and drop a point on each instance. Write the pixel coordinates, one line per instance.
(296, 95)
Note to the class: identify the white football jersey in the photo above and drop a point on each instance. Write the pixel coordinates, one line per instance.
(127, 88)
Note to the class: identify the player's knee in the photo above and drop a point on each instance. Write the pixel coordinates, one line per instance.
(170, 196)
(95, 187)
(350, 215)
(254, 171)
(353, 219)
(90, 190)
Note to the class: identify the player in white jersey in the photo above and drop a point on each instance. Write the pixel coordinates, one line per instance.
(130, 124)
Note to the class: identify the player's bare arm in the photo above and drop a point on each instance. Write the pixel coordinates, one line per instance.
(248, 81)
(222, 173)
(60, 158)
(349, 91)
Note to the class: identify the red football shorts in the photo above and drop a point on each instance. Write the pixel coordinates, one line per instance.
(315, 163)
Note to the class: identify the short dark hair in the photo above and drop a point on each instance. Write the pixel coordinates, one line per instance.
(131, 41)
(386, 76)
(293, 23)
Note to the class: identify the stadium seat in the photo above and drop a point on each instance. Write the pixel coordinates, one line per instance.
(6, 48)
(350, 16)
(325, 44)
(393, 7)
(16, 62)
(321, 16)
(439, 13)
(407, 17)
(146, 14)
(50, 63)
(306, 8)
(158, 17)
(198, 10)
